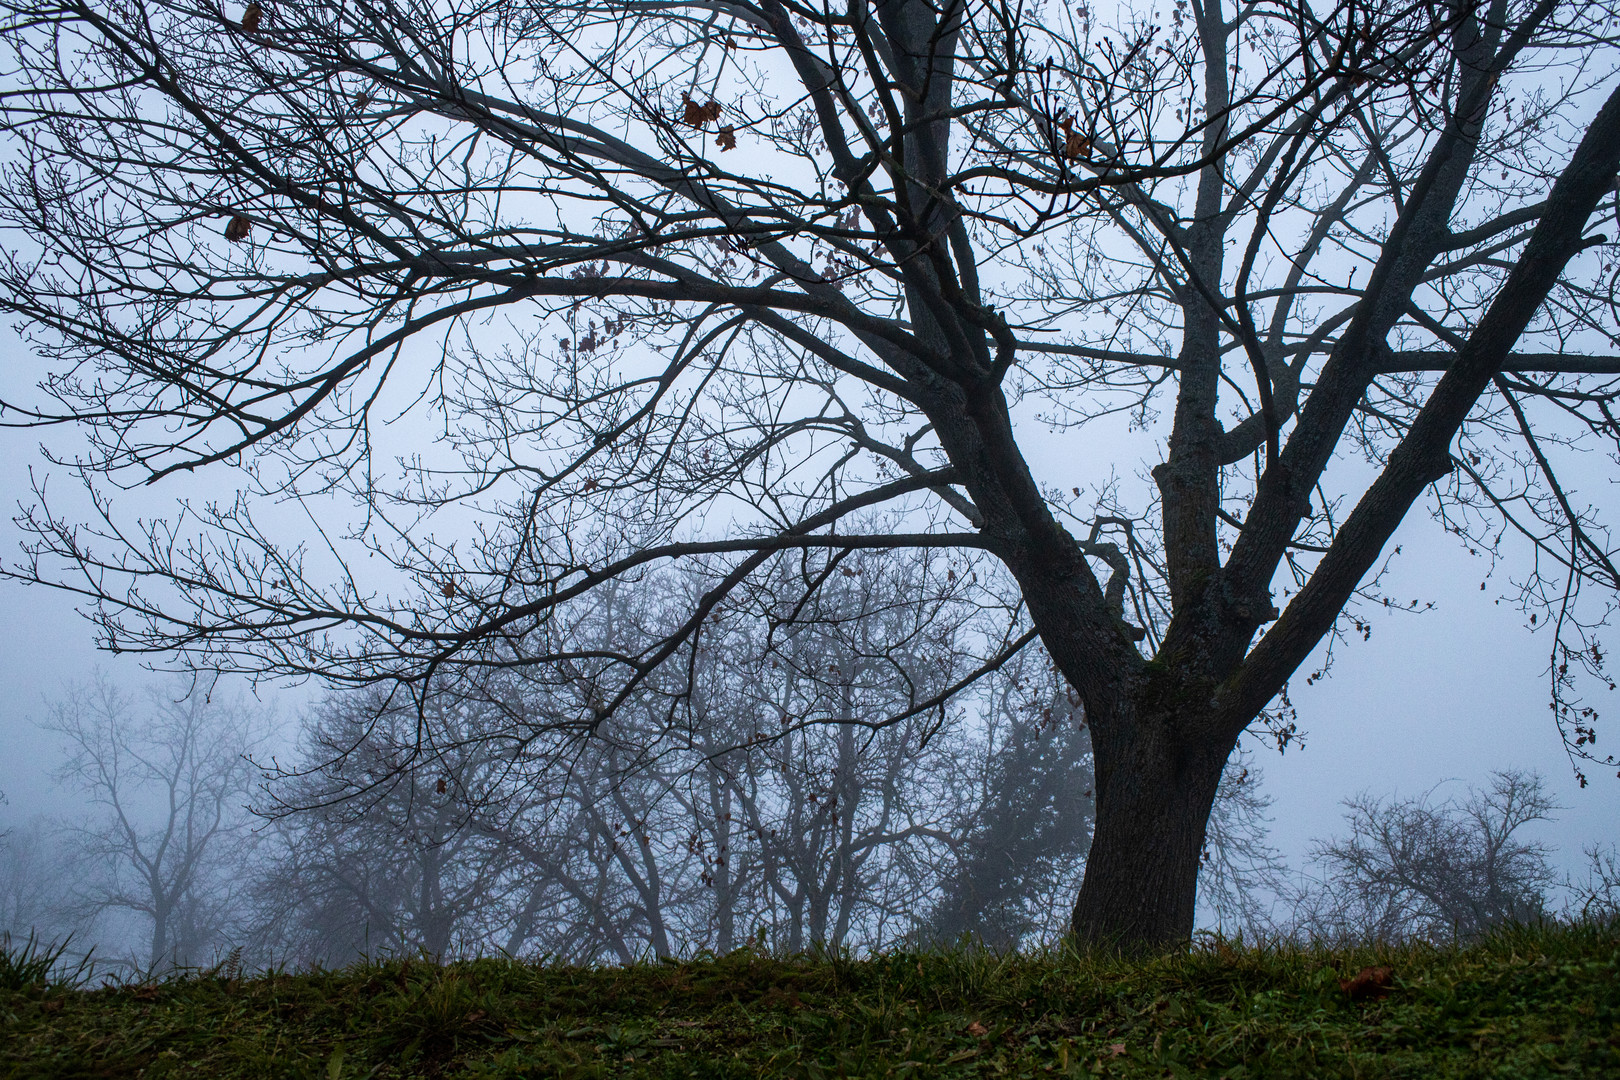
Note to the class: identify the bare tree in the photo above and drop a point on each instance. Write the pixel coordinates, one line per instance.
(35, 882)
(1418, 868)
(706, 282)
(690, 821)
(170, 786)
(1596, 896)
(367, 857)
(837, 829)
(1243, 877)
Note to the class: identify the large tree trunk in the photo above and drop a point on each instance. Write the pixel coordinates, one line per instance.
(1155, 786)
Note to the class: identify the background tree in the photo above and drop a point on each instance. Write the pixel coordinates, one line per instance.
(645, 840)
(1243, 876)
(34, 884)
(1596, 896)
(170, 787)
(389, 869)
(1033, 817)
(1434, 870)
(706, 284)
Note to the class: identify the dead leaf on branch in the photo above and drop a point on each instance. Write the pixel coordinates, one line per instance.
(1075, 145)
(448, 589)
(252, 16)
(237, 229)
(697, 115)
(440, 787)
(726, 137)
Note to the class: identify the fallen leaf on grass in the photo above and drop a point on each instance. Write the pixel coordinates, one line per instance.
(777, 997)
(1116, 1049)
(1369, 983)
(976, 1029)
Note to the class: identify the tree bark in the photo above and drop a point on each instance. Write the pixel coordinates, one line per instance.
(1156, 783)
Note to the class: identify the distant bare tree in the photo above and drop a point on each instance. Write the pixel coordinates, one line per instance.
(1243, 876)
(376, 859)
(837, 830)
(35, 880)
(169, 783)
(1435, 870)
(1596, 895)
(690, 818)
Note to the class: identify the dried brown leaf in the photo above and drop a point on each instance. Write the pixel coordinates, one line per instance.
(1075, 145)
(697, 115)
(1369, 983)
(237, 229)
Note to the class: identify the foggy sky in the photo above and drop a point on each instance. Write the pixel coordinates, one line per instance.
(1446, 695)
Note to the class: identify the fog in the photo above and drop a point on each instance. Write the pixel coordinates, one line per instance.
(1432, 702)
(1375, 726)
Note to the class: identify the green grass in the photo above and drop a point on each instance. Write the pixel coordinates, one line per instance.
(33, 961)
(1528, 1002)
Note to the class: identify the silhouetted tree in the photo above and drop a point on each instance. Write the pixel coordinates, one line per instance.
(1243, 876)
(37, 883)
(1596, 896)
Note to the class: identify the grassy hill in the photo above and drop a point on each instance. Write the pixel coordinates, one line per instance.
(1526, 1003)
